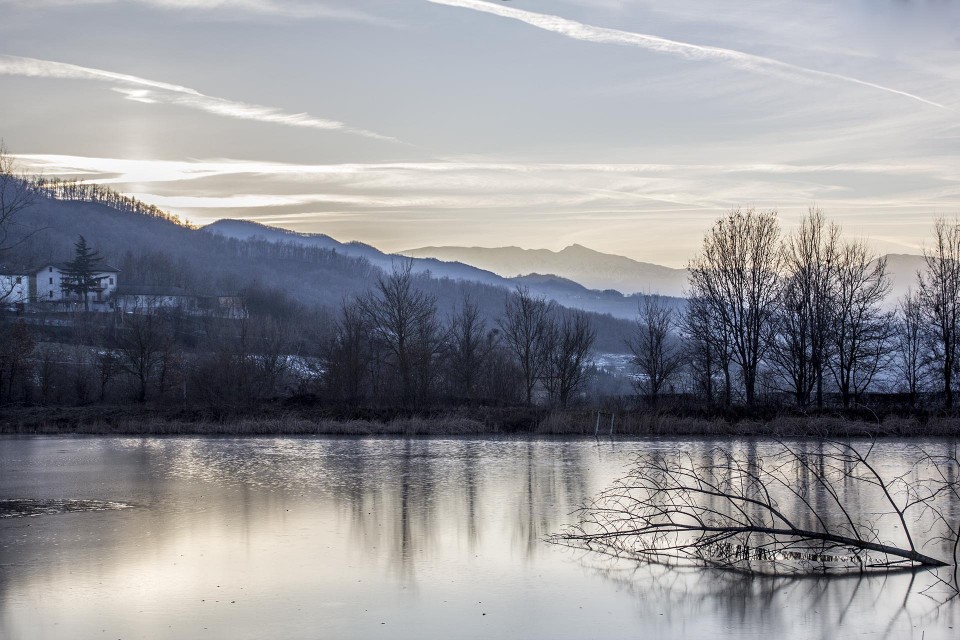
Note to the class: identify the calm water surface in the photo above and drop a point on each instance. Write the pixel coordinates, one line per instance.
(379, 538)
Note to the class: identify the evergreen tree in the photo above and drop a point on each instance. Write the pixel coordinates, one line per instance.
(80, 274)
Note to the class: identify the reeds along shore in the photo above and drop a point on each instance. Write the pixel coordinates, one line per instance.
(476, 422)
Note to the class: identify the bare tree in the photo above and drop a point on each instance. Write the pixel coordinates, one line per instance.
(143, 344)
(16, 346)
(707, 349)
(696, 332)
(804, 321)
(939, 298)
(404, 320)
(468, 346)
(501, 379)
(910, 345)
(525, 324)
(656, 354)
(106, 365)
(270, 348)
(569, 339)
(347, 356)
(50, 373)
(861, 329)
(737, 274)
(223, 376)
(17, 193)
(788, 511)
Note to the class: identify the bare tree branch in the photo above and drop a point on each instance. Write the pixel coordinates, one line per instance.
(736, 510)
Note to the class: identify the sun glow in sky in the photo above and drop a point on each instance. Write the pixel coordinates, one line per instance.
(623, 125)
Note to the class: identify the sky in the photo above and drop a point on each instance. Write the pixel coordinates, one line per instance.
(627, 126)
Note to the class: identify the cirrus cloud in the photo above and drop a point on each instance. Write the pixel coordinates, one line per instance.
(149, 91)
(602, 35)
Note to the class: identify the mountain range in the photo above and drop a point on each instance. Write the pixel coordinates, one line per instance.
(229, 255)
(278, 271)
(593, 269)
(576, 276)
(563, 290)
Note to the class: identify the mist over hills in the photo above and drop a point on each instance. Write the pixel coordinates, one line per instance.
(565, 291)
(281, 269)
(310, 269)
(593, 269)
(902, 269)
(249, 230)
(597, 270)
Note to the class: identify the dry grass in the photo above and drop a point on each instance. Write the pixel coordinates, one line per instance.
(460, 422)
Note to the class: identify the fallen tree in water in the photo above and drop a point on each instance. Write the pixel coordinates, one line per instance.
(791, 509)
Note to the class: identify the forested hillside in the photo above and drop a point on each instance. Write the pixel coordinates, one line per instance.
(154, 248)
(590, 268)
(562, 290)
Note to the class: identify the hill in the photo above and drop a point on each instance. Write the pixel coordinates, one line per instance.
(248, 230)
(559, 289)
(593, 269)
(903, 268)
(289, 270)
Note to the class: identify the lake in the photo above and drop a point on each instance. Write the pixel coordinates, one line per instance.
(382, 538)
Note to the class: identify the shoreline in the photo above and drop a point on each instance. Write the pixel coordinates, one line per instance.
(480, 421)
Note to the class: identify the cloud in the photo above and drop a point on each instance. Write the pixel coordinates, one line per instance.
(739, 59)
(651, 211)
(279, 8)
(154, 92)
(122, 170)
(473, 185)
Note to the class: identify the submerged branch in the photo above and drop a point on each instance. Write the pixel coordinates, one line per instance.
(788, 510)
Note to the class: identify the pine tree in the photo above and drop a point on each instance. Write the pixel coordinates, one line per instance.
(79, 275)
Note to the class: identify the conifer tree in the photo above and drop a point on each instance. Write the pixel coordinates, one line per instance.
(80, 274)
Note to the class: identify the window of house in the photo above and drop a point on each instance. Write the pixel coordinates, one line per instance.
(111, 280)
(51, 269)
(19, 280)
(49, 294)
(51, 282)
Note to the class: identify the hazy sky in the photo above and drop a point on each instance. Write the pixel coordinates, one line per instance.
(623, 125)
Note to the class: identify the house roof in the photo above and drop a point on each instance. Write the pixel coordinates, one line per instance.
(8, 270)
(151, 290)
(62, 266)
(160, 290)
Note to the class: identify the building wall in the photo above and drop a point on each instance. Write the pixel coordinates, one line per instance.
(49, 286)
(143, 303)
(109, 280)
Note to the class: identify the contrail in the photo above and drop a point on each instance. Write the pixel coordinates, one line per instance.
(152, 92)
(589, 33)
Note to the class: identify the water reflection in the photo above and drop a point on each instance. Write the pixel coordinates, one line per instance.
(896, 600)
(313, 537)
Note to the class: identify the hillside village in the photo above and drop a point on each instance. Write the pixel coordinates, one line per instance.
(56, 287)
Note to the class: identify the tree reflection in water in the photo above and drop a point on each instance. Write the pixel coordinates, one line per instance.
(320, 534)
(797, 509)
(771, 601)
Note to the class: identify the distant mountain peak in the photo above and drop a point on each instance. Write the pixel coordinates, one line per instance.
(583, 265)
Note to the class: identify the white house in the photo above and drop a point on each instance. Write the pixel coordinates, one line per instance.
(149, 299)
(48, 287)
(14, 289)
(146, 299)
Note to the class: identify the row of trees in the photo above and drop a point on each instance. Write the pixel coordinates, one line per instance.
(804, 315)
(150, 356)
(390, 348)
(392, 342)
(76, 190)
